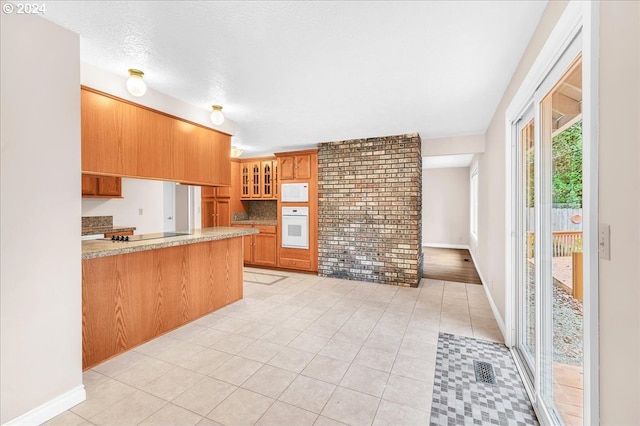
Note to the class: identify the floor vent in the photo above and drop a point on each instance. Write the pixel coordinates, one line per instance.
(484, 372)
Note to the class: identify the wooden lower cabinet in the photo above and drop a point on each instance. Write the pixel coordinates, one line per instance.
(131, 298)
(261, 249)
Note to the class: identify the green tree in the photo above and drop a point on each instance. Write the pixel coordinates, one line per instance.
(567, 167)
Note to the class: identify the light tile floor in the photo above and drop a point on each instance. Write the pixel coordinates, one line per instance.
(305, 350)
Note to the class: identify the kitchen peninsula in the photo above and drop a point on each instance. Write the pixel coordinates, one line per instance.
(137, 290)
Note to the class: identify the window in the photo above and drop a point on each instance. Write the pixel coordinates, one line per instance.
(474, 203)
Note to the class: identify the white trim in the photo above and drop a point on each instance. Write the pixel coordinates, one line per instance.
(445, 245)
(590, 215)
(494, 307)
(51, 409)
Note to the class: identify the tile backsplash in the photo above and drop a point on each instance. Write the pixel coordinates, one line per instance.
(95, 221)
(265, 210)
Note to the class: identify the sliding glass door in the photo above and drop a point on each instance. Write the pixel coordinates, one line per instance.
(548, 212)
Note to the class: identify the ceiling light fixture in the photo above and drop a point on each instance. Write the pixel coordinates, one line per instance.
(216, 116)
(236, 152)
(135, 84)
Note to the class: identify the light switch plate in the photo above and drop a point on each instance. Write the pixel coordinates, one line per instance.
(604, 241)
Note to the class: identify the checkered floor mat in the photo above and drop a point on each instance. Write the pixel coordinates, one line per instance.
(459, 400)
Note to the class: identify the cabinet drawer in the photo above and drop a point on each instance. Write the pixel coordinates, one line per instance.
(295, 263)
(266, 229)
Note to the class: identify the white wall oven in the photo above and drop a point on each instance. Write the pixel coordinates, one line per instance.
(295, 227)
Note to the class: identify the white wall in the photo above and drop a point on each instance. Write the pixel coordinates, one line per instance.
(445, 206)
(40, 290)
(147, 195)
(620, 208)
(465, 144)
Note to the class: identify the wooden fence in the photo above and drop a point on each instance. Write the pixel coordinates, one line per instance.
(563, 243)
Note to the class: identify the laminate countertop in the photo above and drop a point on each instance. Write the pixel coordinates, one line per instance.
(101, 248)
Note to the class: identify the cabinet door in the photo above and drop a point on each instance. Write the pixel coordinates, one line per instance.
(208, 191)
(286, 168)
(208, 212)
(275, 179)
(264, 251)
(245, 180)
(303, 166)
(89, 185)
(223, 191)
(222, 212)
(247, 248)
(267, 179)
(110, 186)
(256, 180)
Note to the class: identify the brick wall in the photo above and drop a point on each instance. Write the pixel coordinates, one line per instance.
(370, 209)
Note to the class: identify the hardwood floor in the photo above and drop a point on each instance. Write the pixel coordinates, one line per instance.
(449, 265)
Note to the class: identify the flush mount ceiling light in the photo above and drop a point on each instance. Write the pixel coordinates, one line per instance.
(236, 152)
(216, 116)
(135, 84)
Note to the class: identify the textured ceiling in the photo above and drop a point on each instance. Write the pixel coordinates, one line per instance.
(292, 74)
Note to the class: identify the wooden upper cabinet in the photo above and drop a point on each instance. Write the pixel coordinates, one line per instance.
(258, 178)
(295, 166)
(124, 139)
(101, 186)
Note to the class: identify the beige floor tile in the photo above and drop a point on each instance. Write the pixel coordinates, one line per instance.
(324, 328)
(280, 335)
(144, 372)
(409, 392)
(308, 342)
(385, 337)
(180, 352)
(326, 369)
(448, 319)
(455, 306)
(337, 349)
(260, 351)
(308, 394)
(242, 407)
(351, 407)
(230, 324)
(375, 358)
(157, 345)
(284, 414)
(365, 379)
(206, 422)
(418, 348)
(236, 371)
(120, 363)
(325, 421)
(484, 323)
(172, 383)
(232, 344)
(423, 330)
(481, 313)
(291, 359)
(255, 330)
(206, 361)
(210, 319)
(421, 369)
(208, 337)
(172, 415)
(392, 414)
(270, 381)
(102, 397)
(91, 378)
(68, 418)
(456, 329)
(309, 313)
(204, 396)
(131, 410)
(297, 324)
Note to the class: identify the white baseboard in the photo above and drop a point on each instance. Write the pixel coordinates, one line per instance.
(453, 246)
(494, 308)
(51, 409)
